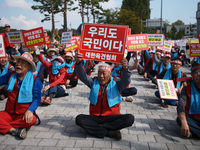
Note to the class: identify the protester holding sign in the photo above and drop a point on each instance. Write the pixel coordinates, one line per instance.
(56, 86)
(105, 118)
(172, 74)
(24, 94)
(6, 41)
(5, 67)
(70, 77)
(188, 106)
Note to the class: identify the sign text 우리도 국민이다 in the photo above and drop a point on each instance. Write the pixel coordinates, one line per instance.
(137, 42)
(195, 50)
(15, 37)
(155, 39)
(2, 47)
(34, 37)
(103, 42)
(66, 37)
(167, 89)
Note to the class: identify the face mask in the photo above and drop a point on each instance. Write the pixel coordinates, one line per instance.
(68, 61)
(57, 63)
(182, 53)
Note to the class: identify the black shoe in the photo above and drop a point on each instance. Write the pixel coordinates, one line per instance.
(20, 132)
(115, 134)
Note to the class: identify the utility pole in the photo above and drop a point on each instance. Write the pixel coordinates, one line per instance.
(161, 18)
(147, 16)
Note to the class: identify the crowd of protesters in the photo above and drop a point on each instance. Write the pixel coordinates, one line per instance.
(22, 82)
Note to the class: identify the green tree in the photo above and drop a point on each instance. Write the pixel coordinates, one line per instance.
(180, 34)
(178, 22)
(50, 7)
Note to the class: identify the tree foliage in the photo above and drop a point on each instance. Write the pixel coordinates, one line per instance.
(49, 8)
(121, 17)
(178, 22)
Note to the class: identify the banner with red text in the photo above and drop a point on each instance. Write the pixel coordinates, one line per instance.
(2, 47)
(137, 42)
(103, 42)
(167, 89)
(34, 37)
(66, 37)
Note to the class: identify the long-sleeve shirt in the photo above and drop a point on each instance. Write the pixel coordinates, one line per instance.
(36, 92)
(156, 60)
(121, 84)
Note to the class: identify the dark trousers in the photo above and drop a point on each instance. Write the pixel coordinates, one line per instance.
(193, 124)
(99, 126)
(151, 76)
(129, 91)
(57, 91)
(4, 90)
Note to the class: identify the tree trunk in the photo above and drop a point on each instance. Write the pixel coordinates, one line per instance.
(65, 16)
(93, 13)
(52, 19)
(82, 11)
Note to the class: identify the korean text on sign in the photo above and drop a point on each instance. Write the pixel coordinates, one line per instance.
(137, 42)
(15, 37)
(155, 39)
(2, 47)
(166, 47)
(195, 50)
(167, 89)
(66, 37)
(181, 42)
(48, 40)
(103, 42)
(34, 37)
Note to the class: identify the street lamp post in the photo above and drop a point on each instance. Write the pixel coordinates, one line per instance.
(161, 18)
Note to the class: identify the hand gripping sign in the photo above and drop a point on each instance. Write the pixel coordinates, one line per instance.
(155, 39)
(137, 42)
(167, 89)
(66, 37)
(15, 37)
(2, 47)
(34, 37)
(195, 50)
(166, 47)
(103, 42)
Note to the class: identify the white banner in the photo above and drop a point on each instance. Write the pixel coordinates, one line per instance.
(66, 37)
(15, 37)
(2, 47)
(167, 89)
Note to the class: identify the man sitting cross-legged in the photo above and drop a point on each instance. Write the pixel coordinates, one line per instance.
(105, 118)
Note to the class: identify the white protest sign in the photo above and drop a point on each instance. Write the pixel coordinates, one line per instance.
(2, 47)
(155, 39)
(15, 37)
(167, 89)
(166, 47)
(181, 42)
(66, 37)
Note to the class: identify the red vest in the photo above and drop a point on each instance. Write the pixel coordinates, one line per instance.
(12, 105)
(54, 77)
(196, 64)
(102, 108)
(187, 106)
(6, 41)
(67, 76)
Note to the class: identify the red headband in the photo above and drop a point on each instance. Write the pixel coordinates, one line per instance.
(188, 78)
(27, 56)
(176, 62)
(158, 53)
(167, 55)
(105, 68)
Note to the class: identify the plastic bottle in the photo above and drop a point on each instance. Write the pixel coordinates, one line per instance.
(70, 95)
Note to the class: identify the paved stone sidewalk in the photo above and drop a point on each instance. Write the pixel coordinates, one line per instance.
(155, 128)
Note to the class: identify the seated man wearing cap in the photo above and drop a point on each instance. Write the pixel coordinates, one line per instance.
(105, 118)
(188, 106)
(71, 77)
(5, 67)
(162, 65)
(52, 53)
(172, 74)
(24, 94)
(56, 86)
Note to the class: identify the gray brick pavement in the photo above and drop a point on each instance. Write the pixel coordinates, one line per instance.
(155, 128)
